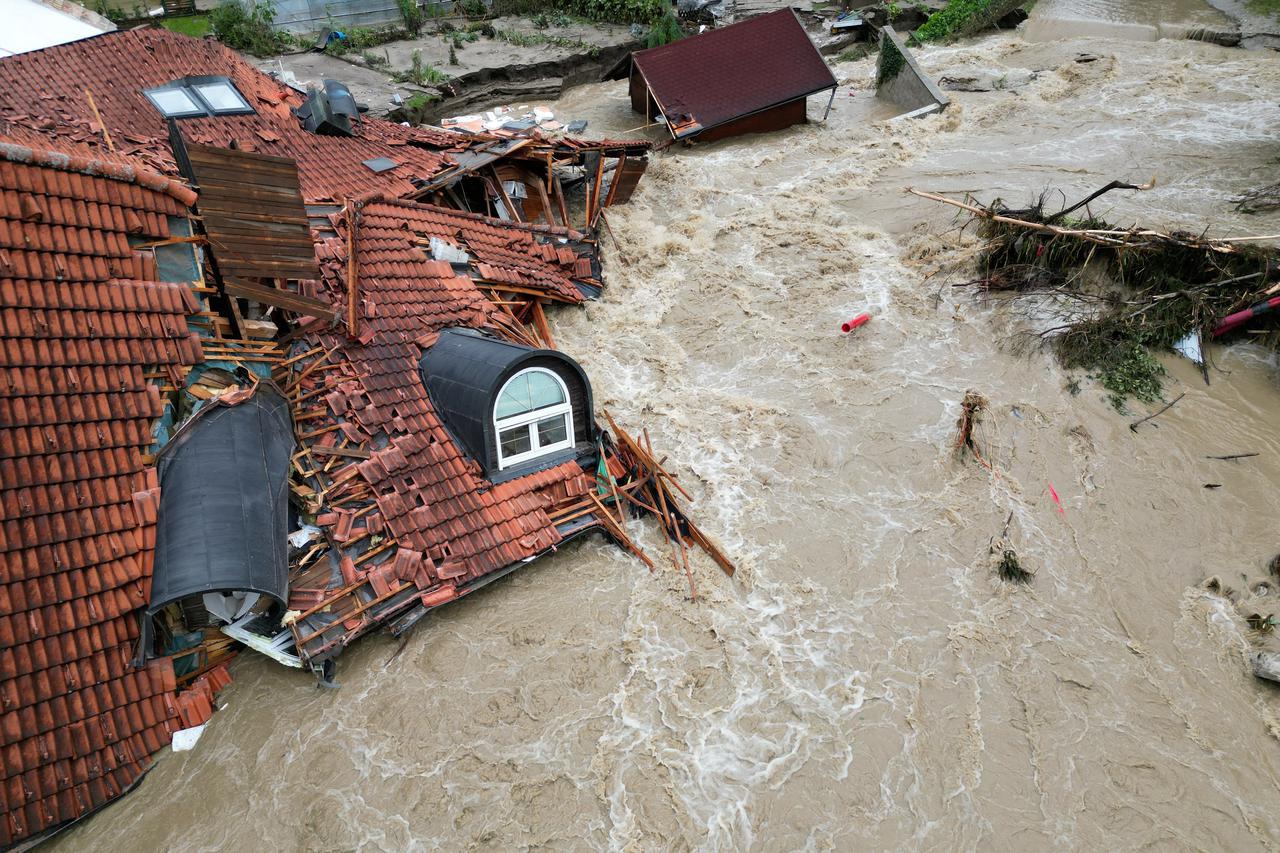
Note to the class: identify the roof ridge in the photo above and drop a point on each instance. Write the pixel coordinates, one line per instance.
(116, 170)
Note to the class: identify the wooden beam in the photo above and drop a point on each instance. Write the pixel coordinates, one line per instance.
(285, 299)
(353, 275)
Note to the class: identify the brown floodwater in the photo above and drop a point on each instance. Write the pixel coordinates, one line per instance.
(865, 682)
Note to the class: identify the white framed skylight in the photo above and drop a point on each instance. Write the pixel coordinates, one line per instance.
(222, 97)
(194, 97)
(175, 103)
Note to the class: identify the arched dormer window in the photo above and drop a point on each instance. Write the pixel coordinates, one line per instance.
(532, 417)
(513, 409)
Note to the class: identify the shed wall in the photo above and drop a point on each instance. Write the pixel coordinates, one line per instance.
(774, 118)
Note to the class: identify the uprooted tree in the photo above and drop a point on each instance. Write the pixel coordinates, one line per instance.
(1122, 292)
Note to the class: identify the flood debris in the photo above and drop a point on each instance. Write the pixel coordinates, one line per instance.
(1259, 200)
(1233, 456)
(854, 322)
(1121, 292)
(1257, 604)
(900, 80)
(971, 411)
(1008, 567)
(274, 381)
(750, 77)
(1133, 427)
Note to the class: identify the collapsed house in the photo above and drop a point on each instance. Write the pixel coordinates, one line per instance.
(274, 375)
(750, 77)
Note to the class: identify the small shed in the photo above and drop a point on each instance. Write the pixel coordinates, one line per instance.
(749, 77)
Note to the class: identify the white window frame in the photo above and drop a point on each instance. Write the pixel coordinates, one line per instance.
(203, 108)
(531, 420)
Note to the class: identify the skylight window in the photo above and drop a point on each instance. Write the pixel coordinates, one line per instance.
(175, 103)
(193, 97)
(222, 97)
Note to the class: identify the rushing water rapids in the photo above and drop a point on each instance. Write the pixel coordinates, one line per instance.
(865, 682)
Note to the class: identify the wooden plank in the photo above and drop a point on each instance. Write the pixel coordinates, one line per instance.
(241, 209)
(346, 452)
(236, 176)
(211, 154)
(286, 299)
(252, 189)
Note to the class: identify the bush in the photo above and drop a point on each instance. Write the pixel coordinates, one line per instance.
(962, 18)
(363, 38)
(248, 30)
(665, 31)
(609, 11)
(420, 73)
(411, 14)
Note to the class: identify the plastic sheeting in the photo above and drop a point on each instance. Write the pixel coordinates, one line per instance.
(224, 480)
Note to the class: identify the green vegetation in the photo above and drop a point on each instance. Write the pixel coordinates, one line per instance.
(553, 18)
(1264, 7)
(534, 39)
(418, 101)
(665, 31)
(196, 26)
(249, 30)
(1132, 371)
(610, 11)
(419, 73)
(962, 17)
(471, 8)
(411, 14)
(363, 38)
(891, 61)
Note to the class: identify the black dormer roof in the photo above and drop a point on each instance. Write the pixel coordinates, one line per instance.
(464, 371)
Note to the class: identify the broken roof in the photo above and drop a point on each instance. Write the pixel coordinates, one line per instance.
(45, 91)
(83, 319)
(407, 480)
(708, 79)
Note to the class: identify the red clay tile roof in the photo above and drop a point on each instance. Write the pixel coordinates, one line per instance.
(448, 523)
(733, 71)
(43, 91)
(81, 318)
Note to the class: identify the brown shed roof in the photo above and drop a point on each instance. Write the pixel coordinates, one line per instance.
(709, 79)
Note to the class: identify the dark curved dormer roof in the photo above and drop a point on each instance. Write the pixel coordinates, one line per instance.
(224, 492)
(464, 371)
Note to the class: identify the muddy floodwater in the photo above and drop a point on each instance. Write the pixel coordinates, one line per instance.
(865, 682)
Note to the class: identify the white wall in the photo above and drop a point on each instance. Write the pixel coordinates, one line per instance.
(31, 25)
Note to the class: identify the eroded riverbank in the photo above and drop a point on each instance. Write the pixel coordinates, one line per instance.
(865, 682)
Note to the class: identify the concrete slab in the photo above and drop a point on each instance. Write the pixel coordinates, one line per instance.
(900, 81)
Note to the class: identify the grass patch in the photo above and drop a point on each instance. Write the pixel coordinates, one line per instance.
(420, 73)
(534, 39)
(196, 26)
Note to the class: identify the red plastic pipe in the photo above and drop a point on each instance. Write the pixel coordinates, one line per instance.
(849, 325)
(1241, 317)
